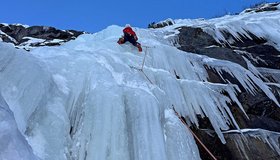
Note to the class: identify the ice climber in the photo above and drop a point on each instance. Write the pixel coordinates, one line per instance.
(130, 36)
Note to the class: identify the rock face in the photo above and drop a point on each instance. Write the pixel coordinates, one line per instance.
(263, 8)
(254, 48)
(262, 112)
(252, 147)
(196, 41)
(34, 36)
(258, 50)
(161, 24)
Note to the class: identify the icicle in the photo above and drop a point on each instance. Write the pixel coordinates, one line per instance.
(269, 137)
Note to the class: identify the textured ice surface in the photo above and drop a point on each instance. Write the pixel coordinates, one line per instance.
(262, 24)
(13, 144)
(82, 100)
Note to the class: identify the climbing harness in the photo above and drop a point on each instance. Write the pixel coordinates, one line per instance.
(198, 140)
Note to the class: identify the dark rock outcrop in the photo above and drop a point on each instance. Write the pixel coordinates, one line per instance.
(264, 7)
(262, 111)
(161, 24)
(195, 40)
(18, 35)
(255, 49)
(213, 143)
(252, 146)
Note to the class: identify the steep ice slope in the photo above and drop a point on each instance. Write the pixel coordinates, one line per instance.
(13, 145)
(82, 100)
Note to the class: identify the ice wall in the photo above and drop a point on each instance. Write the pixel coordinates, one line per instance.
(13, 144)
(83, 100)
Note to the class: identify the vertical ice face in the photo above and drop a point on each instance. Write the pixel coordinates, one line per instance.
(13, 144)
(34, 99)
(180, 144)
(83, 100)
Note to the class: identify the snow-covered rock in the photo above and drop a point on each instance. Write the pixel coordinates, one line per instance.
(250, 39)
(28, 37)
(263, 7)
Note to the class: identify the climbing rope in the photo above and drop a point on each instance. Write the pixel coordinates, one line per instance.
(143, 63)
(144, 57)
(198, 140)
